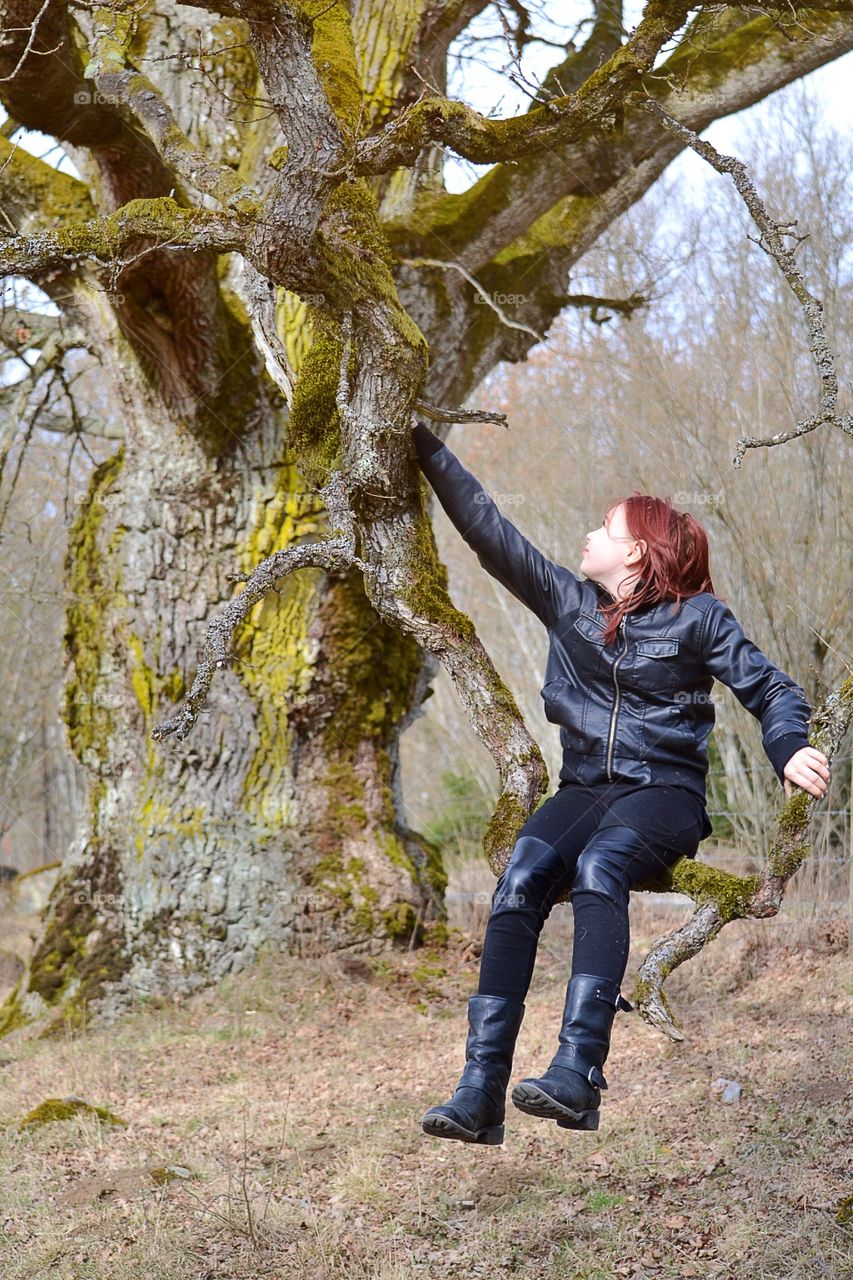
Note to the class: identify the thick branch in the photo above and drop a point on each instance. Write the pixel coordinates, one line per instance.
(564, 120)
(50, 90)
(744, 66)
(103, 240)
(745, 60)
(117, 81)
(795, 6)
(43, 86)
(33, 195)
(22, 331)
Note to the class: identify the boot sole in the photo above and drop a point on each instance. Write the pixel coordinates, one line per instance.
(535, 1102)
(444, 1127)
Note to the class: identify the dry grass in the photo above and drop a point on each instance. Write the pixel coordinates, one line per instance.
(294, 1097)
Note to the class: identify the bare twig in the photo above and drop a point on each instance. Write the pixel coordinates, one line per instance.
(437, 414)
(487, 297)
(772, 241)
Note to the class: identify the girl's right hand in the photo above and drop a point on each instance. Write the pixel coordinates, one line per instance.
(808, 768)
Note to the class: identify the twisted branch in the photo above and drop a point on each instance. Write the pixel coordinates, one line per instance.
(117, 81)
(722, 897)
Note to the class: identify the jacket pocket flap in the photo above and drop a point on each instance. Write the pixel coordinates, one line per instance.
(657, 648)
(590, 629)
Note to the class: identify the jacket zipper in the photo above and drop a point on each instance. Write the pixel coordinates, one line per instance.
(612, 732)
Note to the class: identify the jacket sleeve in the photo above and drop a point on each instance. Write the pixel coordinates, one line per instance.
(768, 693)
(549, 589)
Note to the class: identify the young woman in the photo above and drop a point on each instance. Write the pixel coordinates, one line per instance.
(634, 649)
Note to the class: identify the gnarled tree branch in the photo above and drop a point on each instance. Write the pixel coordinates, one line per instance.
(721, 897)
(566, 119)
(104, 240)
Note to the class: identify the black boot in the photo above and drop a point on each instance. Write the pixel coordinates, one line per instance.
(476, 1111)
(570, 1090)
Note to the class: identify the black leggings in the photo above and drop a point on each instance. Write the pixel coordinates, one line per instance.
(597, 843)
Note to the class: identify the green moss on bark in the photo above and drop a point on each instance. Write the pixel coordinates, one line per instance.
(78, 953)
(727, 45)
(314, 423)
(12, 1015)
(333, 54)
(91, 588)
(426, 590)
(731, 895)
(33, 183)
(378, 665)
(791, 848)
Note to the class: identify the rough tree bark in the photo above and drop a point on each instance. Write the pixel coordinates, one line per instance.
(254, 407)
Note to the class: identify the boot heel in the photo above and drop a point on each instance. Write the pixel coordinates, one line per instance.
(589, 1121)
(492, 1137)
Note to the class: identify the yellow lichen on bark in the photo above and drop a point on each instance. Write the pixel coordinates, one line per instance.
(274, 652)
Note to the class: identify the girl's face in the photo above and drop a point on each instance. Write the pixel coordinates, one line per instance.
(607, 546)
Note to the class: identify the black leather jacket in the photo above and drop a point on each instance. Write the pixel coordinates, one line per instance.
(639, 710)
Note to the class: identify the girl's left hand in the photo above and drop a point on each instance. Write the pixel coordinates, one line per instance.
(808, 768)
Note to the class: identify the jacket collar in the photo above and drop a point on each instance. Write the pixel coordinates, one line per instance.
(604, 594)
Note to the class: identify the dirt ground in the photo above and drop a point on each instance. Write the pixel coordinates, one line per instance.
(273, 1128)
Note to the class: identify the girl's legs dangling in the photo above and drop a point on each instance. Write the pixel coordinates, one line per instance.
(596, 843)
(540, 867)
(642, 832)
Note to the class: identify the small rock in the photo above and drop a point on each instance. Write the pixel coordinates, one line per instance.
(729, 1090)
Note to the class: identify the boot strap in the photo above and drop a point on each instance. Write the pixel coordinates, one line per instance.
(476, 1076)
(571, 1058)
(619, 1003)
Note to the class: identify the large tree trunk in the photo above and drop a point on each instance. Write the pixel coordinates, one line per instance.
(276, 822)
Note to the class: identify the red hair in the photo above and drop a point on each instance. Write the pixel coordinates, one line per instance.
(675, 564)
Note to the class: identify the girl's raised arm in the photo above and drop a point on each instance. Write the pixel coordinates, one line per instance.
(548, 588)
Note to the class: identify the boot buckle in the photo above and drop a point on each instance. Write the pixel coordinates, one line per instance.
(595, 1076)
(619, 1003)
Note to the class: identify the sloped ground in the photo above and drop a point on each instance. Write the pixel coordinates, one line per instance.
(293, 1097)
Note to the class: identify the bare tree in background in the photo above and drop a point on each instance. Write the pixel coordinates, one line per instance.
(261, 260)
